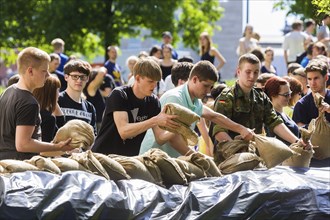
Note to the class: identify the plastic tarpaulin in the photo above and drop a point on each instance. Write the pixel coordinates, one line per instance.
(278, 193)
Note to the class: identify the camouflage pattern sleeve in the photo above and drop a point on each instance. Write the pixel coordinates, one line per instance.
(223, 105)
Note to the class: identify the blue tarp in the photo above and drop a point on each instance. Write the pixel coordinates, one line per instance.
(278, 193)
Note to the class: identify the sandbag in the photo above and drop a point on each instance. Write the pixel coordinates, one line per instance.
(67, 164)
(81, 134)
(272, 150)
(152, 168)
(191, 171)
(12, 166)
(88, 160)
(232, 147)
(2, 170)
(301, 159)
(44, 164)
(239, 162)
(134, 167)
(114, 169)
(185, 118)
(204, 162)
(321, 135)
(170, 170)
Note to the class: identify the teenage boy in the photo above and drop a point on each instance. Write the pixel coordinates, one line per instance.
(19, 113)
(71, 101)
(201, 80)
(130, 111)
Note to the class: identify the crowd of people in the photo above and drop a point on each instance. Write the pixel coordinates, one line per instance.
(52, 89)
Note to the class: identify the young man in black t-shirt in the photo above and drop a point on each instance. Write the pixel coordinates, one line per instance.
(130, 111)
(73, 106)
(19, 113)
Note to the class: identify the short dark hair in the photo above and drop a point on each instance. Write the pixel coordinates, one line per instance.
(248, 58)
(180, 71)
(79, 66)
(204, 70)
(317, 65)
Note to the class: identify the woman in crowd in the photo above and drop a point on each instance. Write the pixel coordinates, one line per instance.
(247, 42)
(47, 97)
(267, 66)
(130, 62)
(278, 90)
(296, 89)
(208, 52)
(167, 62)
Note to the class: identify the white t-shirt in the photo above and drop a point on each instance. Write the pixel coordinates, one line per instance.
(294, 44)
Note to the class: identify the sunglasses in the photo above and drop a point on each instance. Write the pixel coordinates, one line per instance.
(286, 95)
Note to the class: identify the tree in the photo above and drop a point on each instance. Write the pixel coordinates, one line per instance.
(307, 8)
(89, 26)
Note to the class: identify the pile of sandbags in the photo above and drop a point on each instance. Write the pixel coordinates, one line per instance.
(154, 166)
(185, 118)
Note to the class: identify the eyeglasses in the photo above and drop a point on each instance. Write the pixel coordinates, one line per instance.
(76, 77)
(286, 95)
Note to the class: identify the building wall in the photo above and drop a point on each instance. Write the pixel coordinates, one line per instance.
(226, 40)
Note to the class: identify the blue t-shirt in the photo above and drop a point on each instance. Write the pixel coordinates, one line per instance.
(305, 109)
(115, 71)
(179, 95)
(64, 59)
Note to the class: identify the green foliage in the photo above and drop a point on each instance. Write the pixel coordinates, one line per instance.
(305, 8)
(89, 26)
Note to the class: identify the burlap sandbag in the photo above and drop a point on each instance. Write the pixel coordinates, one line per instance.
(191, 171)
(114, 169)
(67, 164)
(80, 132)
(88, 160)
(272, 150)
(44, 164)
(301, 160)
(12, 166)
(204, 162)
(2, 170)
(232, 147)
(152, 168)
(170, 170)
(134, 167)
(321, 135)
(239, 162)
(185, 118)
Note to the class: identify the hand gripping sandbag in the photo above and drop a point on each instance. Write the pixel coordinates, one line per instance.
(185, 118)
(305, 156)
(272, 150)
(321, 135)
(239, 162)
(81, 134)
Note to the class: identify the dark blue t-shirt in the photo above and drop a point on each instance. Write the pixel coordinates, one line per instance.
(115, 71)
(305, 109)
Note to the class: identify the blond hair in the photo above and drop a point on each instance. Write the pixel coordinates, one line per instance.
(31, 57)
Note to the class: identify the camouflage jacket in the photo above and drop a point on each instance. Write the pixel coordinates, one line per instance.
(252, 111)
